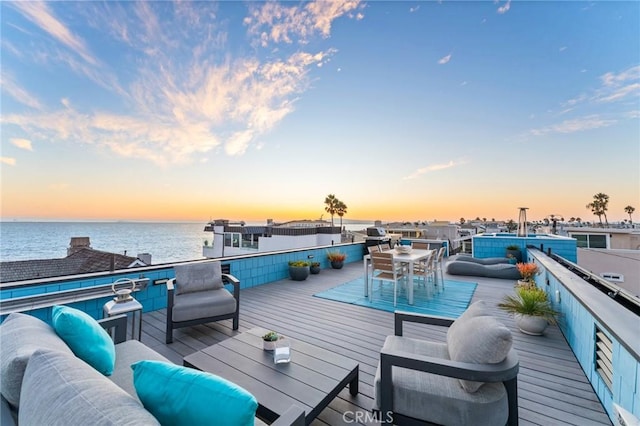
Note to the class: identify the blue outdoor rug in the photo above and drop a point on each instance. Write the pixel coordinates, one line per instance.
(451, 302)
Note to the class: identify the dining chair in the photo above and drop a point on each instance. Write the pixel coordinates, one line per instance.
(419, 245)
(384, 269)
(439, 267)
(424, 271)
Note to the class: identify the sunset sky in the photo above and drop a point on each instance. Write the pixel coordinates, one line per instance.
(252, 110)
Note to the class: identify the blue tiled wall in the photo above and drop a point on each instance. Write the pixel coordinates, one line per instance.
(495, 245)
(250, 270)
(578, 325)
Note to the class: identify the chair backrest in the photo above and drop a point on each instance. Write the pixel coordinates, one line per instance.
(373, 249)
(441, 254)
(420, 245)
(198, 277)
(382, 262)
(385, 246)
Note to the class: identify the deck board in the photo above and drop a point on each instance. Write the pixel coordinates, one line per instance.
(552, 387)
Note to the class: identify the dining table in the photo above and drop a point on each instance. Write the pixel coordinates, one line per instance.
(410, 259)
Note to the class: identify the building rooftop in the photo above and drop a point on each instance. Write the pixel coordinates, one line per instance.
(82, 261)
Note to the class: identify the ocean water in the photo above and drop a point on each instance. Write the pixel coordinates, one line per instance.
(166, 242)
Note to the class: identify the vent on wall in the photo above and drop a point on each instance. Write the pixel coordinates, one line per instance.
(604, 356)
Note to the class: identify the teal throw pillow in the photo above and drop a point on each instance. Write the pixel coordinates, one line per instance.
(177, 395)
(85, 337)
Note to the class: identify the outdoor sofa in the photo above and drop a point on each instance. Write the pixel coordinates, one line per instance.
(45, 381)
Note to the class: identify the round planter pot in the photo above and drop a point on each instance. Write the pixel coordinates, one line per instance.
(529, 324)
(314, 270)
(337, 264)
(515, 253)
(299, 273)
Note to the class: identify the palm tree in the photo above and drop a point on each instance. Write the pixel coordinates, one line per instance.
(341, 210)
(629, 210)
(599, 206)
(331, 202)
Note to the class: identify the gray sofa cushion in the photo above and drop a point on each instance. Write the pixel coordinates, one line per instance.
(61, 389)
(203, 304)
(482, 340)
(20, 336)
(126, 354)
(501, 270)
(476, 309)
(198, 277)
(440, 399)
(484, 261)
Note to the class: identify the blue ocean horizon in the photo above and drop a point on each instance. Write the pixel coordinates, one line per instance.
(166, 241)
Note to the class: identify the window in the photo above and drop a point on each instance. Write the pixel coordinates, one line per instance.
(591, 240)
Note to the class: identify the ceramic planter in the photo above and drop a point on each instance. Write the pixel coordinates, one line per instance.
(314, 270)
(533, 325)
(299, 273)
(337, 264)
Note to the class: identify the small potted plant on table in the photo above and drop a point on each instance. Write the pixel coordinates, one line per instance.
(269, 341)
(336, 258)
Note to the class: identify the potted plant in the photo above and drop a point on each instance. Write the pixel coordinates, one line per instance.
(314, 268)
(336, 258)
(527, 272)
(299, 270)
(269, 341)
(513, 250)
(531, 309)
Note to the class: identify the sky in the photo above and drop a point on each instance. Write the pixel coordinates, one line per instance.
(404, 110)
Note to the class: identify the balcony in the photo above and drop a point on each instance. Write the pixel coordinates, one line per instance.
(558, 383)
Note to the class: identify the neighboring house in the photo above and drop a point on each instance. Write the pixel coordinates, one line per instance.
(611, 253)
(234, 238)
(81, 259)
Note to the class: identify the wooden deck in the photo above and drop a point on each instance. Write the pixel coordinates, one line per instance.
(553, 389)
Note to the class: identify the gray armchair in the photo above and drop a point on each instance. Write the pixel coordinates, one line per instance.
(197, 296)
(471, 379)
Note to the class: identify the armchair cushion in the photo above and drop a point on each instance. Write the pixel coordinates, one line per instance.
(20, 336)
(418, 394)
(206, 304)
(479, 340)
(198, 277)
(183, 396)
(86, 338)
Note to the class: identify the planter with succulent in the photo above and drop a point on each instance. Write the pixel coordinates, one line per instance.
(314, 268)
(513, 250)
(527, 271)
(299, 270)
(336, 258)
(269, 340)
(531, 308)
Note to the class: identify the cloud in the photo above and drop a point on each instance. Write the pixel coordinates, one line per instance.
(504, 9)
(9, 161)
(414, 9)
(184, 94)
(274, 22)
(433, 168)
(21, 143)
(444, 59)
(38, 13)
(575, 125)
(18, 93)
(562, 49)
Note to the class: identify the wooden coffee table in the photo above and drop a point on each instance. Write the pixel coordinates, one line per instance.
(311, 380)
